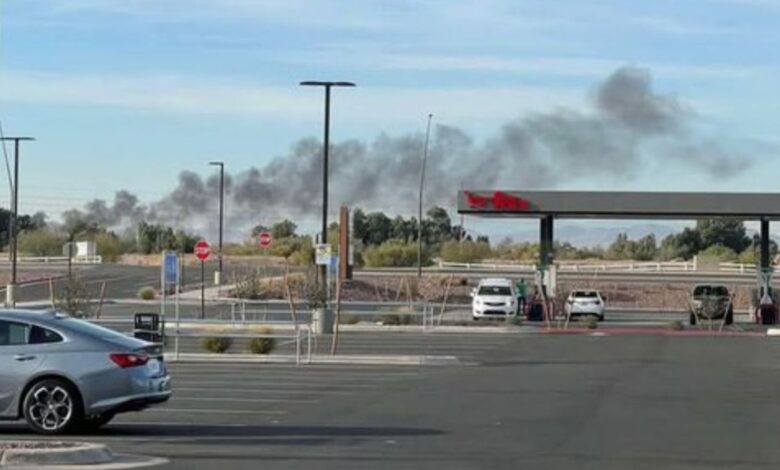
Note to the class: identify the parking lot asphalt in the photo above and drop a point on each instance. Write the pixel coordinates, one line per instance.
(535, 401)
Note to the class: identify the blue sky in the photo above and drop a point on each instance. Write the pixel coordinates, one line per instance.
(127, 93)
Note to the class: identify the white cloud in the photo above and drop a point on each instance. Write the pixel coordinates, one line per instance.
(567, 67)
(383, 105)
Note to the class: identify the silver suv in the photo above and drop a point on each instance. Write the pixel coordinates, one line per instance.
(710, 301)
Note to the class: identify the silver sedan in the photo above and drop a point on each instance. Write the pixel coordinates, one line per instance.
(62, 374)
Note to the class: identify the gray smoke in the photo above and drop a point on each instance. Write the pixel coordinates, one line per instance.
(627, 121)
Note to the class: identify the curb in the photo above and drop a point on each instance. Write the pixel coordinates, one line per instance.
(405, 360)
(76, 453)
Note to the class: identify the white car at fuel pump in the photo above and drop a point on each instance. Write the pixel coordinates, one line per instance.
(494, 298)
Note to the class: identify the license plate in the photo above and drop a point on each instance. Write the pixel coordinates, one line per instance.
(153, 366)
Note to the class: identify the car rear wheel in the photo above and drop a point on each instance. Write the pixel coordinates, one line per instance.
(52, 406)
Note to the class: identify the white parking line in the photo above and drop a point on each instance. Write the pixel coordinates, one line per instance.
(271, 383)
(273, 377)
(213, 411)
(267, 392)
(178, 398)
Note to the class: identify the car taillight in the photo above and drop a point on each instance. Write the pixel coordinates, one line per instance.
(129, 360)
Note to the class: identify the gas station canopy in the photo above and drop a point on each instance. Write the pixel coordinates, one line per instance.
(619, 205)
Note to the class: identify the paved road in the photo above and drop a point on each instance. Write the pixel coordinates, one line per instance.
(537, 402)
(122, 281)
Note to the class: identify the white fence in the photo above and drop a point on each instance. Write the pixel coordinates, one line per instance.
(55, 260)
(668, 266)
(649, 267)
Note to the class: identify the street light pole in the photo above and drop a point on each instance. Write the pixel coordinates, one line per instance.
(326, 153)
(221, 214)
(420, 208)
(10, 294)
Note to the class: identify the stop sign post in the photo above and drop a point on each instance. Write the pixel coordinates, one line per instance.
(202, 251)
(264, 239)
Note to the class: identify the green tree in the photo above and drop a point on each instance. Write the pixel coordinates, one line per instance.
(437, 227)
(257, 229)
(645, 249)
(685, 245)
(378, 228)
(403, 229)
(729, 233)
(360, 226)
(283, 229)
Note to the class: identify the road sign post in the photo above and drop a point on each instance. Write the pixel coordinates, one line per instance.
(202, 251)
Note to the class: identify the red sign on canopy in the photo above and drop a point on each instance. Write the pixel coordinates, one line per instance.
(202, 250)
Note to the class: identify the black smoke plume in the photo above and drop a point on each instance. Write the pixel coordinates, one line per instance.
(540, 150)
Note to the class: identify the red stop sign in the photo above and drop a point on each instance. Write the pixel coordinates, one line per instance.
(202, 250)
(264, 239)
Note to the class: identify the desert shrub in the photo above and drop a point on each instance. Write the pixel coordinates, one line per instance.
(146, 293)
(217, 344)
(41, 243)
(251, 286)
(349, 319)
(262, 345)
(591, 322)
(720, 253)
(75, 298)
(465, 252)
(397, 319)
(109, 247)
(393, 253)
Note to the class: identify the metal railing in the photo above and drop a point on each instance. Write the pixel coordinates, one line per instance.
(299, 332)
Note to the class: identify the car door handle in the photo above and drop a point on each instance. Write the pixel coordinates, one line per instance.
(23, 357)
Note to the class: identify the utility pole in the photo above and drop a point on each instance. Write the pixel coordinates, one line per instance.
(10, 293)
(420, 208)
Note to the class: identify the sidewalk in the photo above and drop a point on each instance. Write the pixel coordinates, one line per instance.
(209, 293)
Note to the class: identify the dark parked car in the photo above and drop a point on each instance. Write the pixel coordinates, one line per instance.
(712, 302)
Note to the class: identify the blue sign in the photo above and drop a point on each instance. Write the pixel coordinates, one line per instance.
(171, 266)
(334, 265)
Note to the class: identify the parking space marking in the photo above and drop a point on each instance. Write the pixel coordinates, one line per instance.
(165, 409)
(302, 379)
(244, 400)
(267, 392)
(277, 384)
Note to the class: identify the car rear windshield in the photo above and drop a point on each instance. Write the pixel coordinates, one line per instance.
(711, 290)
(589, 294)
(495, 290)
